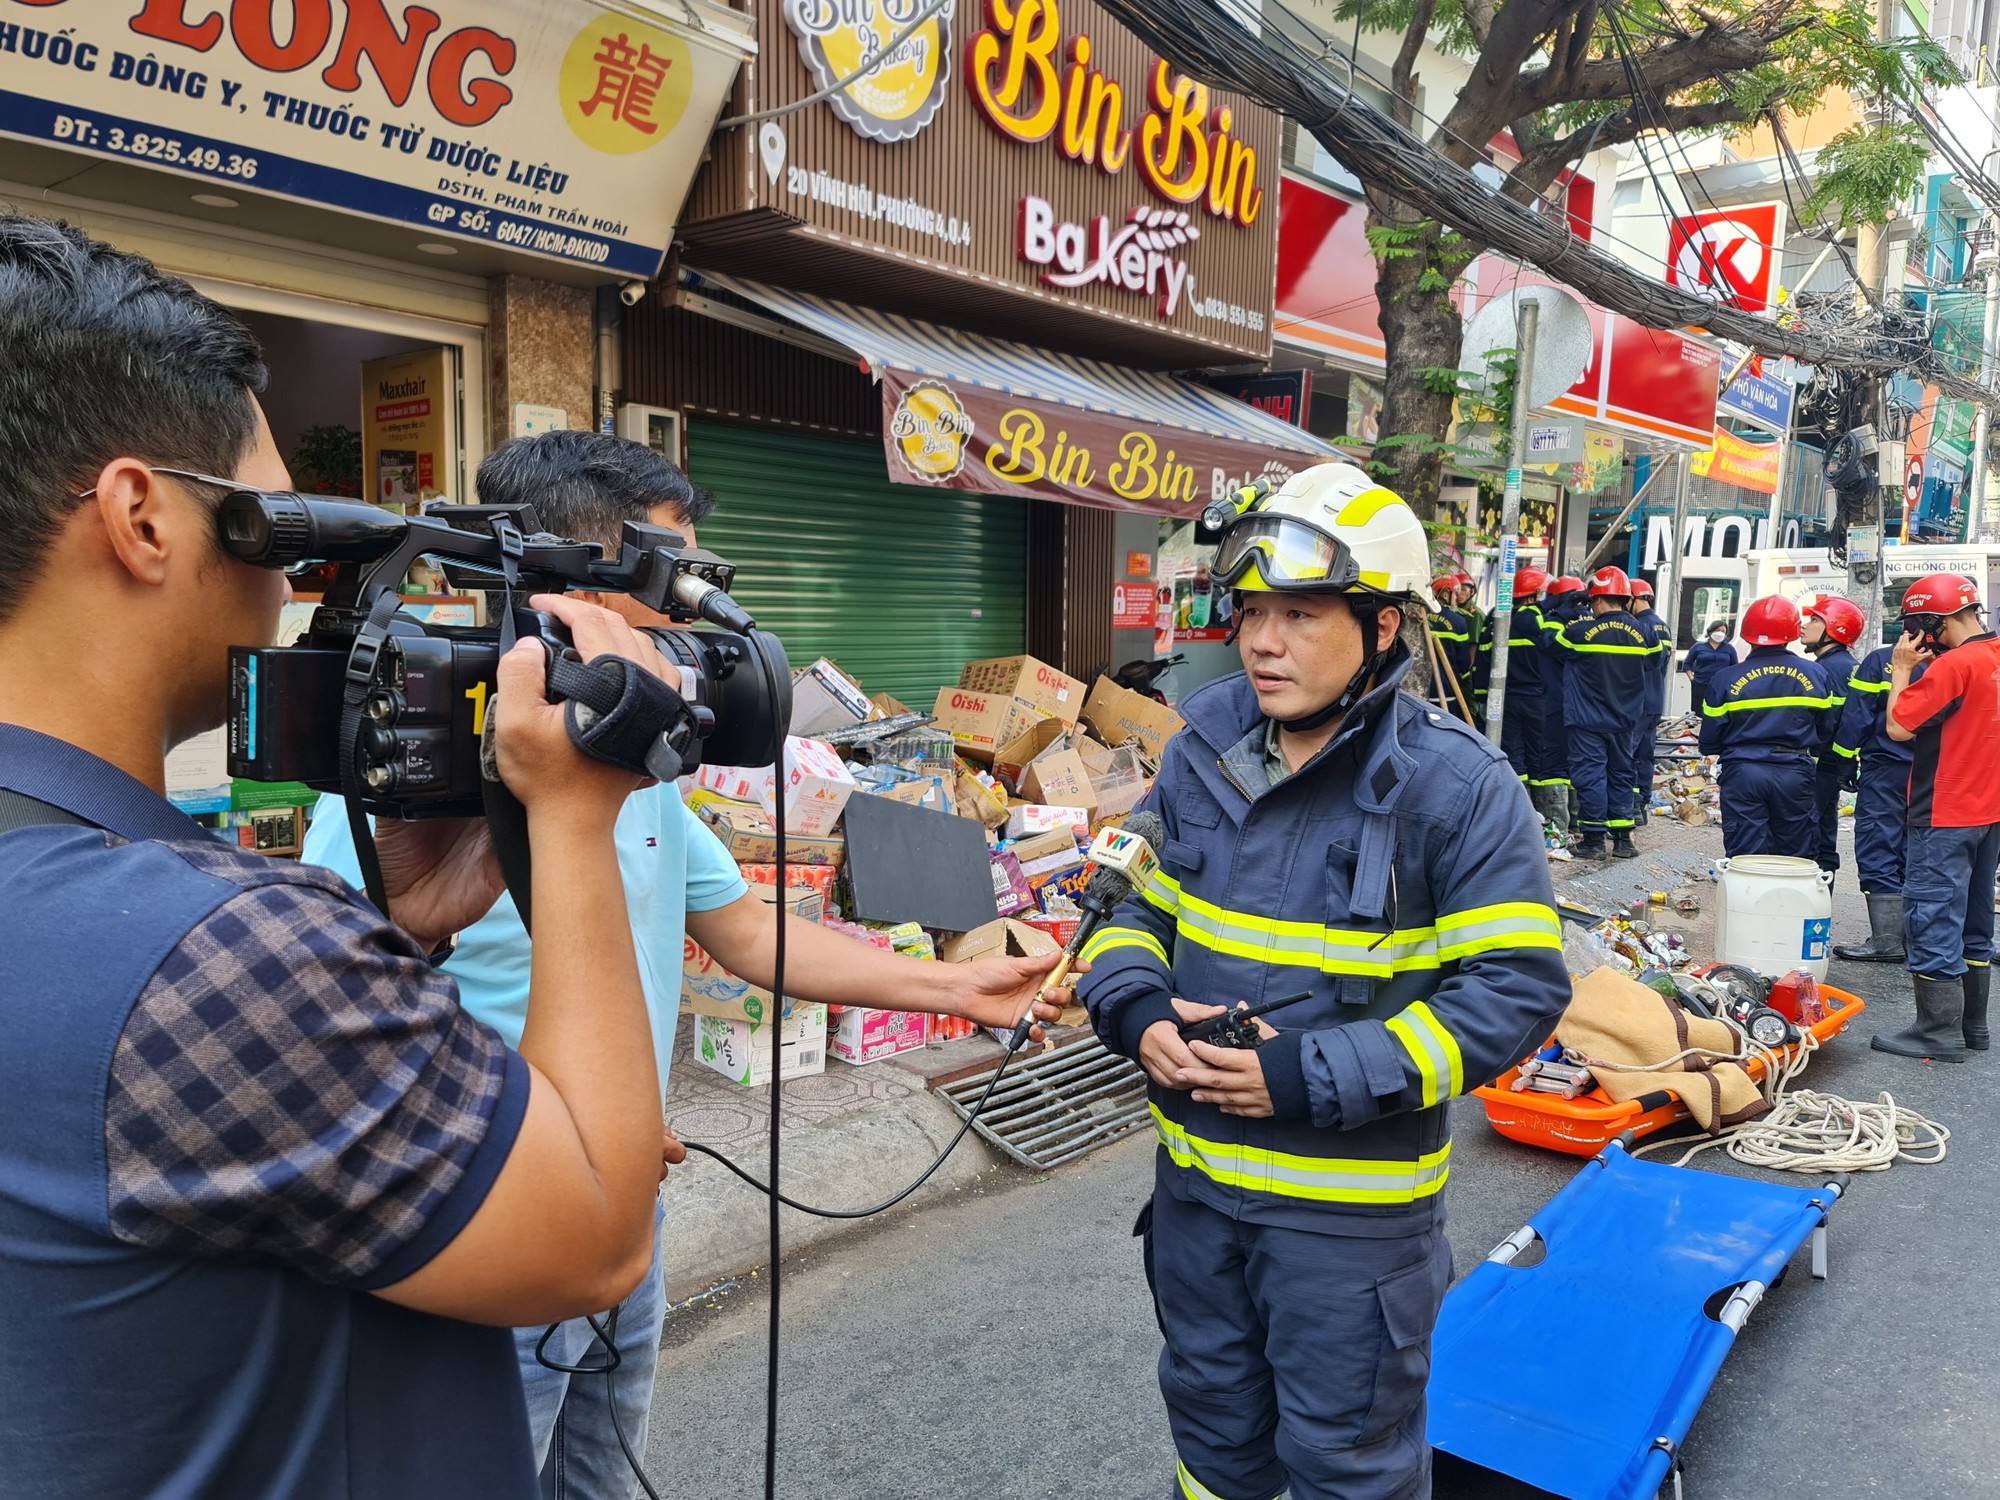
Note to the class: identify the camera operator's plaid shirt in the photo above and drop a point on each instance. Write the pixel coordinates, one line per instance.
(296, 1082)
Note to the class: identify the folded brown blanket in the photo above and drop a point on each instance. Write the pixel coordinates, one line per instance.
(1617, 1024)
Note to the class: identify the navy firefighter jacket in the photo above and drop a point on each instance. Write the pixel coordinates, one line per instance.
(1400, 878)
(1608, 661)
(1863, 734)
(1771, 706)
(1527, 675)
(1655, 627)
(1837, 667)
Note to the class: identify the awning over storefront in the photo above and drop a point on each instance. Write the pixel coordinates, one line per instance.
(964, 412)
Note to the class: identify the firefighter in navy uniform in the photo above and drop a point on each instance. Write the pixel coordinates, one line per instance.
(1607, 661)
(1524, 718)
(1454, 637)
(1829, 626)
(1881, 806)
(1326, 832)
(1951, 721)
(1766, 718)
(1645, 741)
(1549, 784)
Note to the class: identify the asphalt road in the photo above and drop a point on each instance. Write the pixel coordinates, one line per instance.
(1001, 1343)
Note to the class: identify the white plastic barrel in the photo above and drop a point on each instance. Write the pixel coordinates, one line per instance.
(1773, 914)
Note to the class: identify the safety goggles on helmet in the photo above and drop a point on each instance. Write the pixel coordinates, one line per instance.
(1285, 554)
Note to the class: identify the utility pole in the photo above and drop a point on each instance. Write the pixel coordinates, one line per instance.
(1527, 322)
(1871, 242)
(1980, 524)
(1669, 586)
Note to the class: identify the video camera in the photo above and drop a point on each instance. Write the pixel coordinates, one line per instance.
(400, 705)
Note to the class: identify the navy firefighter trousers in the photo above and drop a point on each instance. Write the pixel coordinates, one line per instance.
(1295, 1362)
(1948, 898)
(1881, 805)
(1767, 806)
(1600, 764)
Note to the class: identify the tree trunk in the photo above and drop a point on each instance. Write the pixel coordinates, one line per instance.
(1422, 332)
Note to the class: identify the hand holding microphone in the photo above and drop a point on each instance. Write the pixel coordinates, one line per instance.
(1123, 858)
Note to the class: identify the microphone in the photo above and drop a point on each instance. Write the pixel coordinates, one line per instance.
(1123, 858)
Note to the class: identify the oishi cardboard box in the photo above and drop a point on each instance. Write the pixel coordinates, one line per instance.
(982, 722)
(742, 1052)
(708, 989)
(1119, 716)
(1023, 677)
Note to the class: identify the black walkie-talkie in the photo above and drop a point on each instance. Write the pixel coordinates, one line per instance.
(1233, 1028)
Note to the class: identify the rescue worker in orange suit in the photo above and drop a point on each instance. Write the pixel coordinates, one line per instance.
(1326, 832)
(1453, 633)
(1549, 784)
(1523, 719)
(1607, 662)
(1766, 717)
(1646, 740)
(1951, 720)
(1829, 627)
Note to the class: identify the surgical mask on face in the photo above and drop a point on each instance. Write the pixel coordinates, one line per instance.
(1715, 638)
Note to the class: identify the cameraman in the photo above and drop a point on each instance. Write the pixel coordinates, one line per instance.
(261, 1178)
(677, 875)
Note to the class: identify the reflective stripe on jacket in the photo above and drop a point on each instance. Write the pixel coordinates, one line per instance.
(1526, 676)
(1400, 879)
(1768, 708)
(1862, 733)
(1607, 663)
(1454, 637)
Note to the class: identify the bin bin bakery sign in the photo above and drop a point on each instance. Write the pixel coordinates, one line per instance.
(1009, 158)
(563, 131)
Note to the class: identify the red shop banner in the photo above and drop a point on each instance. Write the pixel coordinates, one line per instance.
(958, 436)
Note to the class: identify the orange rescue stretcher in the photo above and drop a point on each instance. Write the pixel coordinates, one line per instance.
(1583, 1126)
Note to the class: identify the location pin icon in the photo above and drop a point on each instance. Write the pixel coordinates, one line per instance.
(771, 146)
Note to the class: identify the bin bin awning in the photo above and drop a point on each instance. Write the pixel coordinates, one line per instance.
(969, 412)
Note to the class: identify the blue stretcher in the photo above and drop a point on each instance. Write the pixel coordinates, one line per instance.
(1651, 1269)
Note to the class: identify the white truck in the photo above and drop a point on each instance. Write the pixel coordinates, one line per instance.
(1720, 588)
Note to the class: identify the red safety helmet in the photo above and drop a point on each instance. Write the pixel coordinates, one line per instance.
(1842, 619)
(1530, 581)
(1610, 583)
(1641, 589)
(1941, 594)
(1568, 583)
(1771, 621)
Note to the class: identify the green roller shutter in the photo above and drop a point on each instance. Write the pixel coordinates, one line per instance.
(900, 586)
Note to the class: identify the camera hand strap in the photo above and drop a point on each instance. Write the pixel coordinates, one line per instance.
(361, 661)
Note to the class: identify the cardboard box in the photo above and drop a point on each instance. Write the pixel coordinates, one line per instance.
(889, 706)
(1023, 677)
(1034, 817)
(817, 786)
(819, 878)
(1005, 938)
(1115, 802)
(1059, 779)
(1060, 891)
(1051, 864)
(864, 1035)
(708, 989)
(742, 1052)
(1042, 845)
(1011, 891)
(751, 840)
(981, 723)
(927, 791)
(972, 798)
(824, 697)
(1011, 760)
(1119, 716)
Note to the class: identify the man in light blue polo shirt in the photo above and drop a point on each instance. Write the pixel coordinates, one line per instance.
(677, 877)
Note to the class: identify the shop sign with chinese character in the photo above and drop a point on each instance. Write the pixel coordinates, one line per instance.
(559, 130)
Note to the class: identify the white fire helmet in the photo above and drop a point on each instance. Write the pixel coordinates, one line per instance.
(1327, 529)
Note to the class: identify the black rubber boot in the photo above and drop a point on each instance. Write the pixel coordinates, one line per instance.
(1622, 846)
(1885, 933)
(1978, 979)
(1938, 1030)
(1591, 845)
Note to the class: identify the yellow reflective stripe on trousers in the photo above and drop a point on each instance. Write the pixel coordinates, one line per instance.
(1509, 924)
(1433, 1049)
(1744, 705)
(1124, 937)
(1193, 1489)
(1320, 1179)
(1843, 750)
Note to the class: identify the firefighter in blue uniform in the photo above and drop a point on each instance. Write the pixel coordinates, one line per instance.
(1326, 832)
(1881, 805)
(1607, 661)
(1549, 784)
(1524, 719)
(1765, 717)
(1645, 741)
(1454, 637)
(1466, 601)
(1829, 626)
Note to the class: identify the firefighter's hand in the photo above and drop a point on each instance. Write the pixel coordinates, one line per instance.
(1231, 1078)
(1163, 1054)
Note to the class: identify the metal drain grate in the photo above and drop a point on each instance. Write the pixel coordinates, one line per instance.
(1057, 1106)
